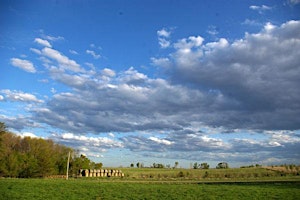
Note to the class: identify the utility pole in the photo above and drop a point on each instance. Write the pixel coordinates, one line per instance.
(68, 165)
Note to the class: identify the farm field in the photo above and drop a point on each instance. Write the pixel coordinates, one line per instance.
(27, 189)
(147, 183)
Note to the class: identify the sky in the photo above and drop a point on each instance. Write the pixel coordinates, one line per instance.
(155, 81)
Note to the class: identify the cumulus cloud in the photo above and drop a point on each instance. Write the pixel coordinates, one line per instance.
(62, 60)
(93, 53)
(163, 62)
(257, 74)
(163, 38)
(163, 33)
(25, 65)
(42, 42)
(13, 95)
(208, 90)
(89, 145)
(19, 123)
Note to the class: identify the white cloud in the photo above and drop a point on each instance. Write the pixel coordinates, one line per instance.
(108, 72)
(53, 38)
(163, 33)
(260, 9)
(212, 30)
(160, 141)
(111, 135)
(37, 51)
(25, 65)
(42, 42)
(90, 145)
(164, 43)
(163, 62)
(14, 95)
(53, 90)
(163, 36)
(1, 98)
(94, 54)
(62, 60)
(239, 87)
(73, 52)
(27, 134)
(251, 22)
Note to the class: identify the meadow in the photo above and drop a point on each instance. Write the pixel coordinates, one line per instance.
(159, 184)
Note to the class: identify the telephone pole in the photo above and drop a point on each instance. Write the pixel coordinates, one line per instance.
(68, 166)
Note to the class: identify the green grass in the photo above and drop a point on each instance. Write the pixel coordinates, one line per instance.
(233, 174)
(150, 183)
(27, 189)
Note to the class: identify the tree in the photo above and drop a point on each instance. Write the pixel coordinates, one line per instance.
(222, 165)
(138, 165)
(204, 166)
(2, 128)
(98, 165)
(195, 166)
(176, 165)
(131, 165)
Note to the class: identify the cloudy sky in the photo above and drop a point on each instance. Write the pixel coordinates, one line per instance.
(155, 81)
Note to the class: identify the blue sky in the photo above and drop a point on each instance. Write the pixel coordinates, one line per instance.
(155, 81)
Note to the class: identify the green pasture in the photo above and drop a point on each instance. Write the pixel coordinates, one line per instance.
(28, 189)
(150, 183)
(231, 174)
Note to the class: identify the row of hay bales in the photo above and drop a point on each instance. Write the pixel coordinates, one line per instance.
(100, 173)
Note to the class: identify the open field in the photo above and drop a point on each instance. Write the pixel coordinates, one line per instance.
(231, 174)
(149, 183)
(27, 189)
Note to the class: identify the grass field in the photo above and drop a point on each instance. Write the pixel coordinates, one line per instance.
(160, 184)
(28, 189)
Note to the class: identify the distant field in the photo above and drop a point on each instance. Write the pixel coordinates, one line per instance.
(28, 189)
(232, 174)
(149, 183)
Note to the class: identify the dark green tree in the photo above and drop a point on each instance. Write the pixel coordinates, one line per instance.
(204, 166)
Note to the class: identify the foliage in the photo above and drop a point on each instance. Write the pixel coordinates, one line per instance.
(222, 165)
(195, 165)
(60, 189)
(158, 165)
(30, 157)
(204, 166)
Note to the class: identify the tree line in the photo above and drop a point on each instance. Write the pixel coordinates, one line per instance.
(26, 157)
